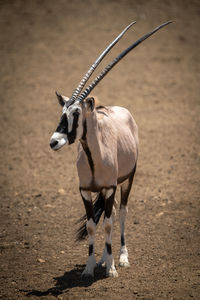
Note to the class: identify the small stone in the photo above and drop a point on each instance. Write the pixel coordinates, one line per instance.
(62, 191)
(38, 195)
(40, 260)
(160, 214)
(49, 206)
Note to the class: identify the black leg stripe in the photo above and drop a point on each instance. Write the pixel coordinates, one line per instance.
(88, 208)
(91, 249)
(122, 240)
(109, 248)
(109, 203)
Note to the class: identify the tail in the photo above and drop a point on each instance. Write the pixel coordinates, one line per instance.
(98, 206)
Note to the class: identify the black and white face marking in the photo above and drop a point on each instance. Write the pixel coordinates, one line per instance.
(70, 127)
(75, 122)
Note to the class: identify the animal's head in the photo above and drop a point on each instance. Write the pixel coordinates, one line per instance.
(71, 126)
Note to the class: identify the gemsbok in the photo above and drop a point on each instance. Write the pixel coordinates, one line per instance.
(107, 156)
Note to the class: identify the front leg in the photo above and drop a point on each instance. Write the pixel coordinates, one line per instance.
(109, 195)
(91, 228)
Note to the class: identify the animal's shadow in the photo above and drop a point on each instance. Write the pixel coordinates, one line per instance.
(68, 281)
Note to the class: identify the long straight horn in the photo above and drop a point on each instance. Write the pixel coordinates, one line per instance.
(86, 92)
(96, 63)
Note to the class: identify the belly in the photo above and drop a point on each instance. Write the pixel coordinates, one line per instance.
(127, 155)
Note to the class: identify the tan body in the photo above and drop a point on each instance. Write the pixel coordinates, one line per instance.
(112, 137)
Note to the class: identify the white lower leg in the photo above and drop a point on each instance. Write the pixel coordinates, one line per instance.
(91, 263)
(123, 258)
(110, 265)
(102, 261)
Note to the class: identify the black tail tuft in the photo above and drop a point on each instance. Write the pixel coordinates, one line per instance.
(98, 206)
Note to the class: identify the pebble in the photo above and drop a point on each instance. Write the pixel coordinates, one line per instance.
(62, 192)
(40, 260)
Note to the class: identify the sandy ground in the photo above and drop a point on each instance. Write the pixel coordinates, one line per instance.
(48, 46)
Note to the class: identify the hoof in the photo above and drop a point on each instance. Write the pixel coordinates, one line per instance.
(124, 264)
(123, 260)
(112, 273)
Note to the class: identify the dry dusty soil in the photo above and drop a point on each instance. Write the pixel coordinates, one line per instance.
(48, 46)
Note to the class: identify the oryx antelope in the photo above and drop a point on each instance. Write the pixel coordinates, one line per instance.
(107, 156)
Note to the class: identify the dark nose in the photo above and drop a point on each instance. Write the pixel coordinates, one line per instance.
(53, 143)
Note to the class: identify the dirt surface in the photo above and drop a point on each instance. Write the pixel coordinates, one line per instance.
(48, 46)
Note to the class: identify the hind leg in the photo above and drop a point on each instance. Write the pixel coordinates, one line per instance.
(125, 190)
(102, 261)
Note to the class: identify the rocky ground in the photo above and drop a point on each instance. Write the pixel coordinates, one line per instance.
(48, 46)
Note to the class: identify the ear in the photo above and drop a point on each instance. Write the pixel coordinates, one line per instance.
(90, 104)
(61, 99)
